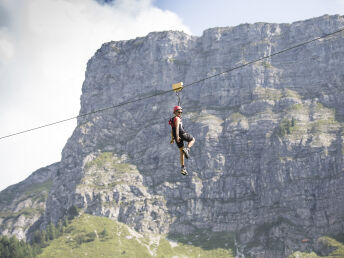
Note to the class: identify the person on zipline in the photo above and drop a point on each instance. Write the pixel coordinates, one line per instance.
(179, 134)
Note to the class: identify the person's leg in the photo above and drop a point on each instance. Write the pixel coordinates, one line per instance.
(182, 169)
(191, 142)
(181, 156)
(181, 150)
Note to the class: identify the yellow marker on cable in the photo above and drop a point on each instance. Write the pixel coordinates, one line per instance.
(177, 86)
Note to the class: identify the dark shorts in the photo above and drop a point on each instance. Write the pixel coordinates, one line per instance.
(184, 137)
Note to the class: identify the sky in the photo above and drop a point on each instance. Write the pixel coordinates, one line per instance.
(45, 46)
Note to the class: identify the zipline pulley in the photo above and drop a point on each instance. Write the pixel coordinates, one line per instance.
(177, 87)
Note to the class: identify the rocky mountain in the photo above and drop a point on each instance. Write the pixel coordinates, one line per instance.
(267, 165)
(22, 204)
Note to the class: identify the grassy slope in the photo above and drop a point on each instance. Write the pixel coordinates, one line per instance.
(338, 249)
(121, 241)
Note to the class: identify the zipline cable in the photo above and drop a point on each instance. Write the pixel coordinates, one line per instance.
(168, 91)
(86, 114)
(265, 57)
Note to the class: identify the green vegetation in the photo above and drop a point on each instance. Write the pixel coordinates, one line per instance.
(286, 126)
(319, 107)
(236, 117)
(321, 125)
(38, 191)
(72, 212)
(204, 243)
(24, 211)
(93, 236)
(106, 171)
(275, 94)
(115, 48)
(42, 238)
(38, 188)
(7, 196)
(266, 64)
(268, 93)
(172, 60)
(13, 248)
(262, 235)
(108, 159)
(291, 94)
(297, 107)
(313, 119)
(201, 118)
(325, 122)
(328, 243)
(138, 42)
(303, 255)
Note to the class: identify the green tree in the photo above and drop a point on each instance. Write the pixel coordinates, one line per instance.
(72, 212)
(80, 239)
(288, 125)
(51, 231)
(13, 248)
(65, 222)
(104, 234)
(60, 228)
(89, 237)
(38, 238)
(45, 235)
(293, 122)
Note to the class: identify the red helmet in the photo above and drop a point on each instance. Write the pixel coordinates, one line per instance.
(176, 108)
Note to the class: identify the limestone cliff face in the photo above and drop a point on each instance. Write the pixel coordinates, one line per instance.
(23, 204)
(268, 159)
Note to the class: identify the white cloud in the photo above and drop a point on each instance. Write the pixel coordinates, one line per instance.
(44, 48)
(6, 48)
(340, 9)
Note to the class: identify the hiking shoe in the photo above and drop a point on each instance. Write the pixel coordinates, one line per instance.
(183, 172)
(186, 152)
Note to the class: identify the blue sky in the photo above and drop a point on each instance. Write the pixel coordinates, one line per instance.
(199, 15)
(45, 46)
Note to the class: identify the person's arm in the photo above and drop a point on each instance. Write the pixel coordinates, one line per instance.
(172, 138)
(177, 128)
